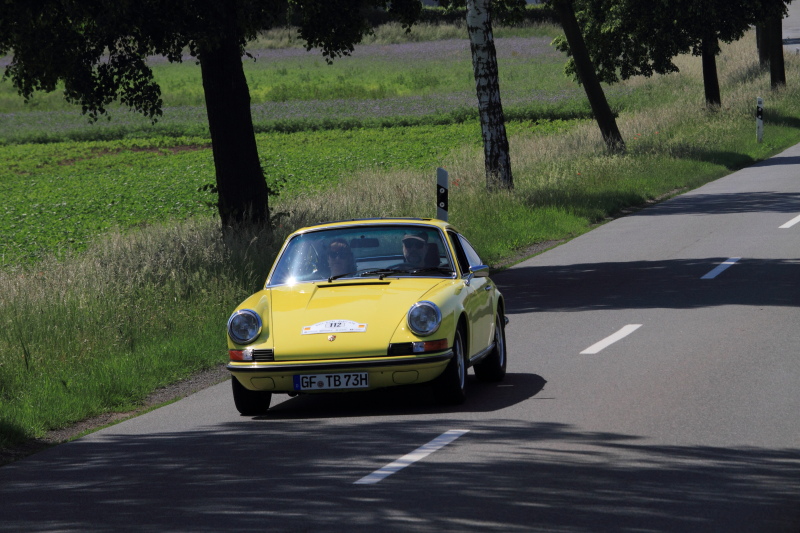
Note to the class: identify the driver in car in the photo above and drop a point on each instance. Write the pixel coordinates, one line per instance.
(414, 247)
(340, 258)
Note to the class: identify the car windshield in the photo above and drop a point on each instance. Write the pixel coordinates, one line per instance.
(363, 252)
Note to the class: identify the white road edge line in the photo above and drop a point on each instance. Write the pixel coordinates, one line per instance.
(791, 223)
(608, 341)
(420, 453)
(721, 268)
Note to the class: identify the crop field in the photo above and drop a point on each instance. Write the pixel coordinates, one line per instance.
(114, 275)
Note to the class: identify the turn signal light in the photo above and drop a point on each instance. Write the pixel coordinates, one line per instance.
(241, 355)
(411, 348)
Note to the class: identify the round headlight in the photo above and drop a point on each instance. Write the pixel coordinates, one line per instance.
(244, 326)
(424, 318)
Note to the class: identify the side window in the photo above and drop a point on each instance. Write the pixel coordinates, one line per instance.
(461, 257)
(472, 256)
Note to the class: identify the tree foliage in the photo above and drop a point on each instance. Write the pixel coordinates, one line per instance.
(584, 71)
(99, 50)
(640, 37)
(504, 11)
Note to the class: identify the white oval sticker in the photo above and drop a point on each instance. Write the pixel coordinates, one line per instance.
(334, 326)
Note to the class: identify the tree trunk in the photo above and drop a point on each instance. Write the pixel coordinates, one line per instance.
(487, 84)
(243, 193)
(777, 71)
(710, 79)
(762, 44)
(588, 76)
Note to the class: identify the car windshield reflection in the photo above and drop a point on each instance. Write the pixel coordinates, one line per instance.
(360, 252)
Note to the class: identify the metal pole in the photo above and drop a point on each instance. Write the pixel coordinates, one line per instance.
(441, 194)
(759, 119)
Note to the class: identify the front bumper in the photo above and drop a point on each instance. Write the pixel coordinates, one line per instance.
(278, 376)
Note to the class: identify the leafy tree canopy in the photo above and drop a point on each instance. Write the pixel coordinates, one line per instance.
(99, 48)
(640, 37)
(505, 11)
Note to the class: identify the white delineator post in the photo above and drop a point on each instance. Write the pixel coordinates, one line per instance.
(441, 194)
(759, 119)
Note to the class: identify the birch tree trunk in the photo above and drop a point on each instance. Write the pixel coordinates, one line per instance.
(487, 84)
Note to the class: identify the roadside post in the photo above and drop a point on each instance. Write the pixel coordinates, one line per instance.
(759, 119)
(441, 194)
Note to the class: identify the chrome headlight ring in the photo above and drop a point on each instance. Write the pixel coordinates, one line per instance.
(244, 326)
(424, 318)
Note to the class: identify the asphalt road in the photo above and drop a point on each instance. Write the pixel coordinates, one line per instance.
(791, 29)
(653, 386)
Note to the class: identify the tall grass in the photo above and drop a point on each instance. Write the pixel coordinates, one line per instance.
(102, 329)
(96, 331)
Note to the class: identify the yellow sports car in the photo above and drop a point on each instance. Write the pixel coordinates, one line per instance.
(364, 304)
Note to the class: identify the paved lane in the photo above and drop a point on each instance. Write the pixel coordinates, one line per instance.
(791, 29)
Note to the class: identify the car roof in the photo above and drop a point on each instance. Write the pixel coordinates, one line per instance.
(441, 224)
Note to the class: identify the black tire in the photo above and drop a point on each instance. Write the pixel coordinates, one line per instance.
(493, 367)
(249, 402)
(451, 385)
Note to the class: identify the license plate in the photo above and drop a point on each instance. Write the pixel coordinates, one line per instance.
(352, 380)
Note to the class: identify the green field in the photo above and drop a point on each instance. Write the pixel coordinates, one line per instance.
(115, 278)
(60, 196)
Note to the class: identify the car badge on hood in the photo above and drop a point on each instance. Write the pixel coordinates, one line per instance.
(331, 338)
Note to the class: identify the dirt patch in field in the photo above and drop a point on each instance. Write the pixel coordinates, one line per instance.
(151, 149)
(171, 149)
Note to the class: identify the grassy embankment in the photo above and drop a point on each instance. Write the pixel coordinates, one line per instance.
(114, 279)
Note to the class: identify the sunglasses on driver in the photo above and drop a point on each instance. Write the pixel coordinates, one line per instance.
(413, 243)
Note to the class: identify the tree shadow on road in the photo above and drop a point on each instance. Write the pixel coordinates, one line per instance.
(411, 400)
(669, 284)
(298, 475)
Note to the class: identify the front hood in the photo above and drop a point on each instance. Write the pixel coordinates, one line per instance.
(341, 319)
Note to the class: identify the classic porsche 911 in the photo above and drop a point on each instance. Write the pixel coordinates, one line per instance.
(365, 304)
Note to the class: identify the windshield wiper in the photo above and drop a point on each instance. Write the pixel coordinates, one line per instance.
(442, 269)
(376, 271)
(330, 279)
(383, 272)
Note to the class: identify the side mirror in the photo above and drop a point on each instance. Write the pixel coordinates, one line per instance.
(480, 271)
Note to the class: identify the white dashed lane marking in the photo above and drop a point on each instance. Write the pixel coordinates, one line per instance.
(721, 268)
(791, 223)
(420, 453)
(608, 341)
